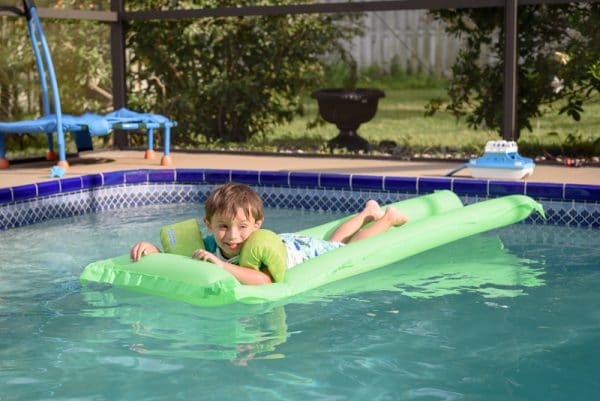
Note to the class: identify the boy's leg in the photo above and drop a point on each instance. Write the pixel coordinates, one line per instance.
(392, 217)
(344, 233)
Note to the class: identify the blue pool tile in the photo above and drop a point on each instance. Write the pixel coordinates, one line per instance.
(367, 182)
(136, 177)
(189, 175)
(544, 190)
(248, 177)
(595, 219)
(161, 176)
(582, 192)
(584, 217)
(428, 185)
(6, 195)
(114, 178)
(298, 179)
(400, 184)
(217, 176)
(23, 192)
(91, 181)
(579, 207)
(501, 188)
(48, 188)
(70, 184)
(340, 181)
(470, 187)
(306, 203)
(278, 178)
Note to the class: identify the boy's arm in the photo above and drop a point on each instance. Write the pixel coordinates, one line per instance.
(244, 275)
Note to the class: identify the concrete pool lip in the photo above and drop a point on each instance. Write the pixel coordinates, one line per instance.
(115, 160)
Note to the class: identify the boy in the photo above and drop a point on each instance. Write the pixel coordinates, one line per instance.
(234, 211)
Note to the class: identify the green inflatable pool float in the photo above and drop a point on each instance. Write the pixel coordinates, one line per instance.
(435, 219)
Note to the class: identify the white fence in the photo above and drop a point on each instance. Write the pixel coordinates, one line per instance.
(406, 39)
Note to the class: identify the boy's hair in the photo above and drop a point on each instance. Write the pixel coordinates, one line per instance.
(229, 198)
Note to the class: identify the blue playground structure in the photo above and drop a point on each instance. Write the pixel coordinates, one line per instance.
(84, 126)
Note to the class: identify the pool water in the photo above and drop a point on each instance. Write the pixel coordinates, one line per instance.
(509, 315)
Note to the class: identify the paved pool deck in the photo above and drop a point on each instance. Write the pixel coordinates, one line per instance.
(114, 160)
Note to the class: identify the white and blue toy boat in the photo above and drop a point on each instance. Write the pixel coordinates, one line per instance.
(501, 160)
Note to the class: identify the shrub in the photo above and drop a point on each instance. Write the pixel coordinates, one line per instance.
(230, 78)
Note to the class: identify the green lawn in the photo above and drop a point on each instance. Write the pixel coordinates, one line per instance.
(400, 118)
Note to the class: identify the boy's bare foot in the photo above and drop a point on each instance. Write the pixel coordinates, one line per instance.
(373, 210)
(395, 216)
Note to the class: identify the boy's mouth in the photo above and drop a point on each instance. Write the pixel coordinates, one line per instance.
(232, 246)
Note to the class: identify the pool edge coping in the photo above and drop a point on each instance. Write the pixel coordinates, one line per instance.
(416, 185)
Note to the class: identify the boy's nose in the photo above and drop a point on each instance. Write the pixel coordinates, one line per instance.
(233, 233)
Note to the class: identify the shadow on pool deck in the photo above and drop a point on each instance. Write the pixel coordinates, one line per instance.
(112, 160)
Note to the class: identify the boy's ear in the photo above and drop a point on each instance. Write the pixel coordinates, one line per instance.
(206, 222)
(258, 223)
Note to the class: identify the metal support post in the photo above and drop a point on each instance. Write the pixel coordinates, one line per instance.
(509, 118)
(117, 55)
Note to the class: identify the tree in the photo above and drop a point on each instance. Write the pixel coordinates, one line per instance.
(558, 58)
(229, 78)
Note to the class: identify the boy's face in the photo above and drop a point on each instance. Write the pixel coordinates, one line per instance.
(230, 233)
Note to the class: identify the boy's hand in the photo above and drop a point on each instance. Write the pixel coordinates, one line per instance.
(141, 249)
(203, 254)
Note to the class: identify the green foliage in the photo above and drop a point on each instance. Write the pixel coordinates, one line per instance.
(338, 73)
(16, 59)
(572, 145)
(229, 78)
(81, 56)
(558, 58)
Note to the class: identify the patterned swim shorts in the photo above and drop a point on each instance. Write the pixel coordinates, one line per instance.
(300, 248)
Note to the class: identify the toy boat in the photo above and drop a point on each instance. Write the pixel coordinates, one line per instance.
(501, 160)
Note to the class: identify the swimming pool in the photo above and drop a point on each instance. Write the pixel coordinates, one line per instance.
(507, 315)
